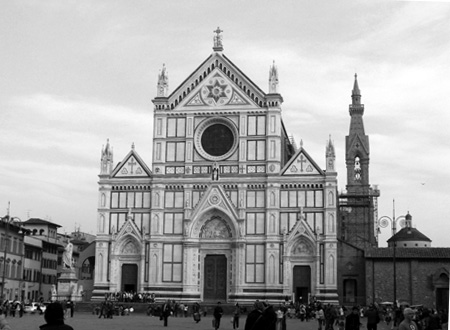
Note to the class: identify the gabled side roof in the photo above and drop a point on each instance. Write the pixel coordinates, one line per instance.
(412, 253)
(38, 221)
(131, 166)
(301, 164)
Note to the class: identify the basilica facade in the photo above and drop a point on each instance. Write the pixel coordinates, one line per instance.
(229, 208)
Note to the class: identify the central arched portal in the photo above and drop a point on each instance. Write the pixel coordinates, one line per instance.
(215, 275)
(129, 277)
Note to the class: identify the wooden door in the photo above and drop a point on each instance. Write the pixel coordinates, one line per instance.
(215, 275)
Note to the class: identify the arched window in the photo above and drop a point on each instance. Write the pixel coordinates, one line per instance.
(357, 169)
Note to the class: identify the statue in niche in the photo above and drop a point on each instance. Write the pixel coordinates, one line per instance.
(215, 229)
(215, 172)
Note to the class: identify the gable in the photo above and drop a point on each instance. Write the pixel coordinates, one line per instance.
(215, 198)
(217, 90)
(358, 146)
(217, 82)
(301, 164)
(131, 166)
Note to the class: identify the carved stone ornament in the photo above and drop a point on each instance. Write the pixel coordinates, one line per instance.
(302, 248)
(214, 199)
(215, 228)
(129, 248)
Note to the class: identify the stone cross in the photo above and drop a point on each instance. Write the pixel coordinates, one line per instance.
(132, 163)
(301, 161)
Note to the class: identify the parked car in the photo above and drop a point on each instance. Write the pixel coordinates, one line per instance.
(34, 307)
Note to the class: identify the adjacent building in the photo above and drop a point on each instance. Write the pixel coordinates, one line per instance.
(11, 259)
(47, 232)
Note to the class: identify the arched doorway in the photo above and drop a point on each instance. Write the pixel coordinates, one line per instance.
(129, 277)
(215, 275)
(302, 283)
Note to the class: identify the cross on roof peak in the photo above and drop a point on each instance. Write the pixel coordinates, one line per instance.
(218, 40)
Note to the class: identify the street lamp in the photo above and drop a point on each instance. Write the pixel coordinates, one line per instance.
(7, 220)
(383, 222)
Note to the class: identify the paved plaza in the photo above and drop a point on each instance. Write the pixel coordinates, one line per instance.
(87, 321)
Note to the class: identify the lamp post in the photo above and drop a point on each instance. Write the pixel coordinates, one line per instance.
(7, 220)
(383, 222)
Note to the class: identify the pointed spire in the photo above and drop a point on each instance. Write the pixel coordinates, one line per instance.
(330, 148)
(330, 156)
(106, 159)
(163, 83)
(273, 79)
(218, 47)
(356, 93)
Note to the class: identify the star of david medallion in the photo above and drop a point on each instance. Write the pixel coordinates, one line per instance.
(217, 92)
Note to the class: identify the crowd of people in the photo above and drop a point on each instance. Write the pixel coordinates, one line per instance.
(266, 316)
(263, 316)
(131, 296)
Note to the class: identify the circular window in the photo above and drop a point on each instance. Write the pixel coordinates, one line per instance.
(215, 139)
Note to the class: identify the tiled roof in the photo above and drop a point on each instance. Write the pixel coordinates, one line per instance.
(409, 234)
(37, 221)
(409, 253)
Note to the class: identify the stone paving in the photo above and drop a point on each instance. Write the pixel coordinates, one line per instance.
(87, 321)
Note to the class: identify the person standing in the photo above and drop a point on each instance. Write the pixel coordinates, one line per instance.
(373, 318)
(267, 319)
(71, 306)
(64, 307)
(54, 318)
(166, 309)
(196, 312)
(236, 315)
(408, 323)
(352, 321)
(254, 315)
(320, 316)
(218, 312)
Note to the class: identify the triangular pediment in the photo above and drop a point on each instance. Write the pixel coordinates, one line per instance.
(131, 166)
(215, 198)
(217, 90)
(358, 145)
(129, 228)
(300, 228)
(217, 82)
(301, 164)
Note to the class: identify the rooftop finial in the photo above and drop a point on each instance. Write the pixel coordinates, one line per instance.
(163, 83)
(132, 145)
(356, 93)
(218, 47)
(273, 79)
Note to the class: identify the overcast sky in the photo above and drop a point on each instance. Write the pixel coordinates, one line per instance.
(74, 73)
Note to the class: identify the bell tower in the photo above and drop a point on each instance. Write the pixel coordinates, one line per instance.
(357, 208)
(357, 146)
